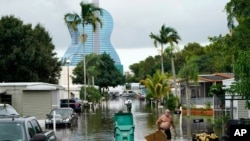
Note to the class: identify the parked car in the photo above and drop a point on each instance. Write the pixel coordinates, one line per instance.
(73, 103)
(64, 117)
(231, 124)
(24, 129)
(6, 110)
(114, 94)
(128, 93)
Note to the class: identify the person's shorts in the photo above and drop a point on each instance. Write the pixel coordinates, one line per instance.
(168, 133)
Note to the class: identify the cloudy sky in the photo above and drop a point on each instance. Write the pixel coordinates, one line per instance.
(134, 20)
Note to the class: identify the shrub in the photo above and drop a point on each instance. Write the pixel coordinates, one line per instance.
(208, 105)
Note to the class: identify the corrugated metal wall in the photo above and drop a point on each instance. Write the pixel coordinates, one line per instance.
(38, 103)
(242, 111)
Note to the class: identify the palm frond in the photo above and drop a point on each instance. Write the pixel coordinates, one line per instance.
(72, 20)
(90, 15)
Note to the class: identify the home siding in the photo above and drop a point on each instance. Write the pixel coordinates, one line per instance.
(242, 111)
(37, 103)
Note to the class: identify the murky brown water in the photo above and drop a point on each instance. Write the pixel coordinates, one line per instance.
(98, 124)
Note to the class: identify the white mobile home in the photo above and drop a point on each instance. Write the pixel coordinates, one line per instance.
(238, 105)
(35, 98)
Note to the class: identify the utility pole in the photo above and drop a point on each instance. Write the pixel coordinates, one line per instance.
(68, 62)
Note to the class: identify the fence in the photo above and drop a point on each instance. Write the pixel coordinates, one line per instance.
(198, 102)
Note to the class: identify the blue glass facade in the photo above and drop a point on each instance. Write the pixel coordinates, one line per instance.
(97, 42)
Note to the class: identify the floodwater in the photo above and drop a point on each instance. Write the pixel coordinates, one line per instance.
(97, 124)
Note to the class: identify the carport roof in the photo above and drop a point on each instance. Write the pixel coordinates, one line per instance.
(33, 85)
(216, 77)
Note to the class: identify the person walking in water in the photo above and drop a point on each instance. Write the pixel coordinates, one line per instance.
(128, 103)
(165, 122)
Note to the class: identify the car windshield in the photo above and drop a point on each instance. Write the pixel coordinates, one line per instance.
(7, 110)
(66, 101)
(12, 131)
(62, 112)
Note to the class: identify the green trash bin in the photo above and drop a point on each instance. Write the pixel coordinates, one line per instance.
(124, 127)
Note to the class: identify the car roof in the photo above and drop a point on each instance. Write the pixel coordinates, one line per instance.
(69, 108)
(64, 108)
(7, 110)
(15, 119)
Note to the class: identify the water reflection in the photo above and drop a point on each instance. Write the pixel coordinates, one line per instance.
(96, 124)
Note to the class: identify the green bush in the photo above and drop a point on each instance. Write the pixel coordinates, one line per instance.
(170, 101)
(93, 94)
(208, 105)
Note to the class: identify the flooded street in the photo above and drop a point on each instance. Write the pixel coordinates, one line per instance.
(98, 124)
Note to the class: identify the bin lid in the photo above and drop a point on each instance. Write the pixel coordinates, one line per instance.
(123, 119)
(125, 127)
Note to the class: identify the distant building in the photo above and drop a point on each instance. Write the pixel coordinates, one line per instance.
(97, 42)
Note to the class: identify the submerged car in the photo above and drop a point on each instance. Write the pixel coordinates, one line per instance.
(7, 110)
(64, 117)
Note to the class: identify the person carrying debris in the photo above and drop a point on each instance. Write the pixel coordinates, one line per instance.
(164, 123)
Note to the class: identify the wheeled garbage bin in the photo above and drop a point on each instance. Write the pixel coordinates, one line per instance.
(124, 127)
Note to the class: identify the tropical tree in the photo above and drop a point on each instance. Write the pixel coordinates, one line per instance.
(27, 53)
(93, 94)
(104, 71)
(93, 70)
(72, 20)
(89, 16)
(147, 67)
(242, 71)
(189, 72)
(109, 75)
(157, 85)
(167, 35)
(238, 12)
(170, 53)
(170, 36)
(92, 61)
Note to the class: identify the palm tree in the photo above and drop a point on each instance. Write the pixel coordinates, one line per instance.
(93, 62)
(72, 20)
(158, 85)
(167, 35)
(170, 52)
(189, 72)
(89, 16)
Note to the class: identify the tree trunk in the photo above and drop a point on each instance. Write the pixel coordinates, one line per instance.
(162, 67)
(174, 75)
(187, 97)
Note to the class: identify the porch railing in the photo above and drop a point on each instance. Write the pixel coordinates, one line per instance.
(198, 101)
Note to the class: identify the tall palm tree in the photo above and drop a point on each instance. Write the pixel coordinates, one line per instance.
(168, 35)
(89, 16)
(170, 52)
(158, 85)
(189, 72)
